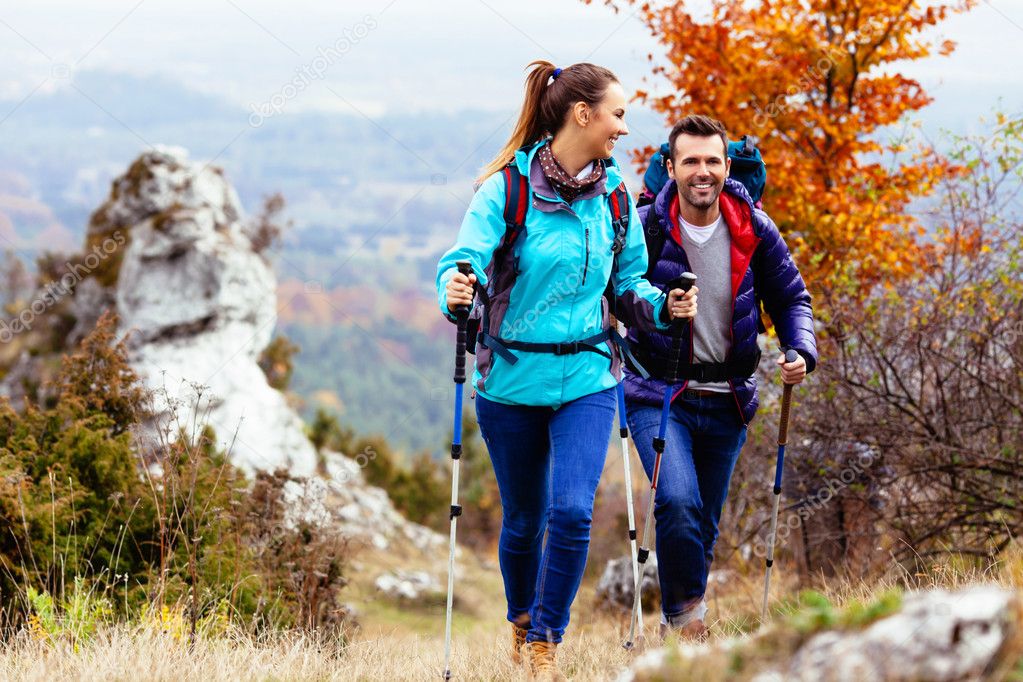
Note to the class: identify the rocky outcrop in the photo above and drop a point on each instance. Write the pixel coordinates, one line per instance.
(407, 585)
(343, 500)
(198, 304)
(936, 636)
(172, 253)
(616, 587)
(974, 633)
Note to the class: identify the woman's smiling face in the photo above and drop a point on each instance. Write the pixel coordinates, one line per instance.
(607, 122)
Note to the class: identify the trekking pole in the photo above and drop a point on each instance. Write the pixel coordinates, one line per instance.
(685, 282)
(623, 431)
(462, 317)
(779, 466)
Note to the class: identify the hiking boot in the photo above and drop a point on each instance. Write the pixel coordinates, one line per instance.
(542, 665)
(693, 631)
(688, 626)
(518, 641)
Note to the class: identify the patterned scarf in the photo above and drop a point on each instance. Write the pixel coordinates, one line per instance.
(563, 183)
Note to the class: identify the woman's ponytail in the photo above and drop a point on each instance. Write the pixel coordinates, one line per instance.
(531, 126)
(550, 94)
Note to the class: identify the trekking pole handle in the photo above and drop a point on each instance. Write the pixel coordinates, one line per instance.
(465, 268)
(685, 282)
(462, 317)
(786, 402)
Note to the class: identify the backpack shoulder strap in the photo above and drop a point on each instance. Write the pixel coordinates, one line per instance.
(655, 237)
(516, 201)
(516, 204)
(619, 201)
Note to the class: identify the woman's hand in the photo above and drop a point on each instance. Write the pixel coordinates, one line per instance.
(459, 290)
(682, 304)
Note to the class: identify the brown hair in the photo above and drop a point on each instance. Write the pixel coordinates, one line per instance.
(698, 126)
(547, 104)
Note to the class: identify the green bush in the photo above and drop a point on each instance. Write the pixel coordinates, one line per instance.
(96, 526)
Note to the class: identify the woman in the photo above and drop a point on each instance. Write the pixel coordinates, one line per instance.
(544, 384)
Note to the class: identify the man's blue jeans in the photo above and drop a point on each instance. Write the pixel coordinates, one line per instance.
(702, 443)
(548, 464)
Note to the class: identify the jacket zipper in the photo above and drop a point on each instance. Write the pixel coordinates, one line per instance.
(586, 263)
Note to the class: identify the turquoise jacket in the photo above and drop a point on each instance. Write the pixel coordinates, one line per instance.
(564, 264)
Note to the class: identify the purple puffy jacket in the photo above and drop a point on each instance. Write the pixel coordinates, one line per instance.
(762, 268)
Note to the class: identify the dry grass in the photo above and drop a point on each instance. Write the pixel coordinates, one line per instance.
(396, 642)
(132, 653)
(405, 642)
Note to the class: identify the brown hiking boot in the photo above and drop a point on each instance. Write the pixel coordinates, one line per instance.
(694, 631)
(518, 641)
(520, 628)
(542, 665)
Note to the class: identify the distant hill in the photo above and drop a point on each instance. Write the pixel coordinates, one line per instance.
(373, 204)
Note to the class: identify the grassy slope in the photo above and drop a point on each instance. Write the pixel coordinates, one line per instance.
(405, 642)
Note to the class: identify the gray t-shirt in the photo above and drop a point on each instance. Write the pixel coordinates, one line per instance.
(709, 252)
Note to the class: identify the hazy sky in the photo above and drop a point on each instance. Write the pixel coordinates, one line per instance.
(409, 54)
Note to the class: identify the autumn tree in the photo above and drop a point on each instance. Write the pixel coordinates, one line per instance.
(928, 377)
(817, 81)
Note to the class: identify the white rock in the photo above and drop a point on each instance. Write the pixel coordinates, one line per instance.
(616, 585)
(366, 512)
(648, 661)
(937, 635)
(408, 585)
(199, 306)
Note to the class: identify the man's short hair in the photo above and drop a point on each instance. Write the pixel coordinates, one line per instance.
(698, 126)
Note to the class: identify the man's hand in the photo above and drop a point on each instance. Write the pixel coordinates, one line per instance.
(682, 304)
(792, 372)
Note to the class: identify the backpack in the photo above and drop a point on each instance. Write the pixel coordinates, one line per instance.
(516, 205)
(656, 176)
(747, 167)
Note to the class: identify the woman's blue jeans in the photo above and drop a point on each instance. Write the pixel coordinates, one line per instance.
(702, 443)
(548, 464)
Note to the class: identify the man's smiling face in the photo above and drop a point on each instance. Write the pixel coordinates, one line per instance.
(699, 165)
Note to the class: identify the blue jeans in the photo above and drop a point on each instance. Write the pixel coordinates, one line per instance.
(702, 443)
(548, 464)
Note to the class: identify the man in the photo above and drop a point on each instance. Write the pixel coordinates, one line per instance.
(713, 230)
